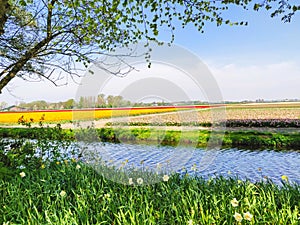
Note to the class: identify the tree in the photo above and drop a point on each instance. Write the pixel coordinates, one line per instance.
(3, 105)
(44, 39)
(4, 8)
(101, 102)
(110, 101)
(69, 104)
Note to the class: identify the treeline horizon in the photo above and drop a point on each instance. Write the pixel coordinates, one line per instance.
(101, 101)
(111, 101)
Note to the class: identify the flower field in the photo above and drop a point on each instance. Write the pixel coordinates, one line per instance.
(84, 114)
(260, 115)
(239, 115)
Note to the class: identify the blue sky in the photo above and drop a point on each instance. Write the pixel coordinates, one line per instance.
(258, 61)
(264, 40)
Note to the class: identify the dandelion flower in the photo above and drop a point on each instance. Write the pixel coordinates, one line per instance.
(248, 216)
(284, 178)
(130, 181)
(238, 217)
(234, 202)
(57, 163)
(166, 178)
(43, 166)
(62, 193)
(78, 166)
(22, 174)
(140, 181)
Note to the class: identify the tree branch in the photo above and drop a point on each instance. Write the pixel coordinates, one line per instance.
(22, 61)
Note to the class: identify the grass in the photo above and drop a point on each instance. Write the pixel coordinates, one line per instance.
(63, 191)
(195, 138)
(67, 194)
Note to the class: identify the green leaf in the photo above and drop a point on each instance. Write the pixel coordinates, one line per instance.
(23, 3)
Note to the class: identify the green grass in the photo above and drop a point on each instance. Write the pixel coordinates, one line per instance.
(90, 198)
(196, 138)
(62, 191)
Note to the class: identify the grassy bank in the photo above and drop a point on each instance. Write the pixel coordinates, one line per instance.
(72, 193)
(198, 138)
(53, 187)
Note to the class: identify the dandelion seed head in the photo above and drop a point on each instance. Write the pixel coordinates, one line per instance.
(190, 222)
(106, 195)
(22, 174)
(130, 181)
(62, 193)
(238, 217)
(248, 216)
(166, 178)
(234, 202)
(140, 180)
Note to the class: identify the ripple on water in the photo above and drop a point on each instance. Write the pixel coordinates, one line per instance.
(246, 164)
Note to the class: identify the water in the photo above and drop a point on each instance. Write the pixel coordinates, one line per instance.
(244, 164)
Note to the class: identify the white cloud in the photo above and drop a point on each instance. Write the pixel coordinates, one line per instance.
(236, 81)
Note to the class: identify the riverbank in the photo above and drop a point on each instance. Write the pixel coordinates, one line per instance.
(288, 139)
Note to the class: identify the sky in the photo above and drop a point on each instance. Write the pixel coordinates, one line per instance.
(258, 61)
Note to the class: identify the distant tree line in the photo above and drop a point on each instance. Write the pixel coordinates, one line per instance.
(100, 101)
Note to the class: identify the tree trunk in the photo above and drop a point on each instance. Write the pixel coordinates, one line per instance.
(11, 74)
(4, 7)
